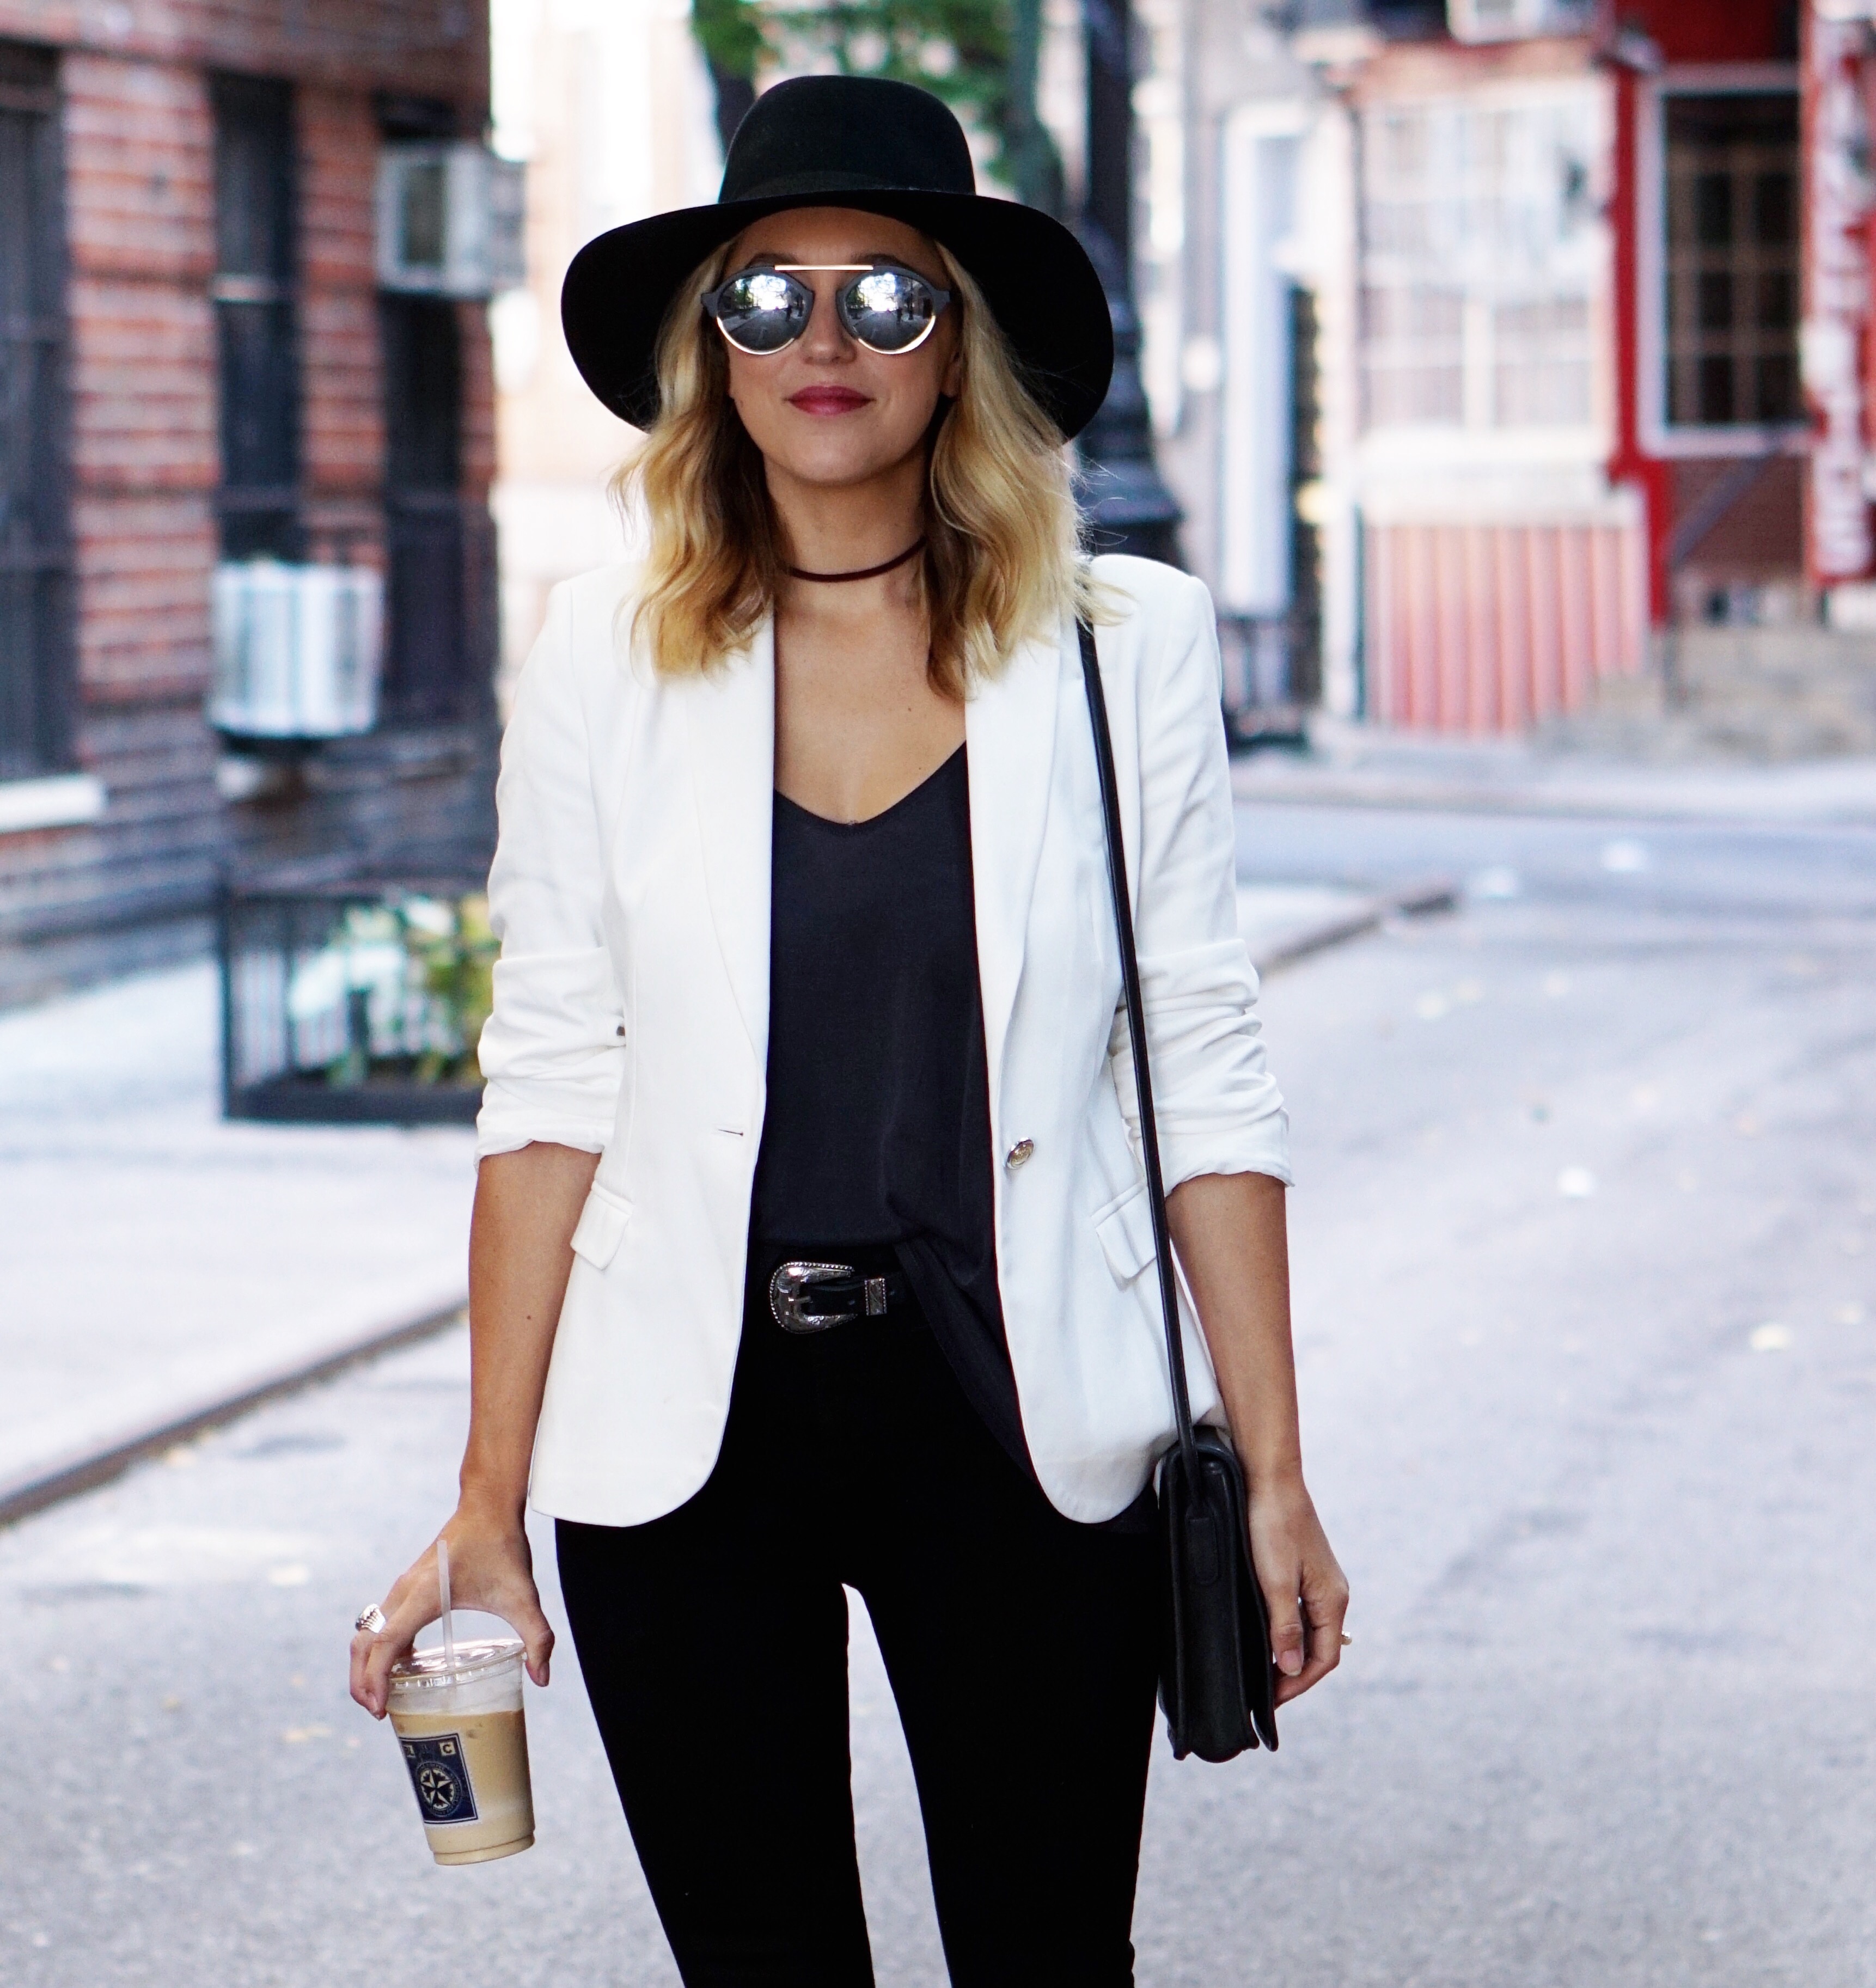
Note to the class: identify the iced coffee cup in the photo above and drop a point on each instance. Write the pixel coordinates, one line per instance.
(465, 1745)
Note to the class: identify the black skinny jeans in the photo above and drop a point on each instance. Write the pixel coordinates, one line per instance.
(1019, 1646)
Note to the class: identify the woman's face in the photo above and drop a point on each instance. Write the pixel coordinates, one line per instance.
(824, 411)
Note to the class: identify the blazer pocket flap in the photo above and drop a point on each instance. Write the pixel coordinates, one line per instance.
(601, 1226)
(1125, 1226)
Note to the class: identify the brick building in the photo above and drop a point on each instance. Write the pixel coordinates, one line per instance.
(198, 364)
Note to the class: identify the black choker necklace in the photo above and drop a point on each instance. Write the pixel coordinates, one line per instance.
(865, 571)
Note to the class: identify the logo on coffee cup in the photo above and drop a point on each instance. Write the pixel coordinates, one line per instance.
(440, 1773)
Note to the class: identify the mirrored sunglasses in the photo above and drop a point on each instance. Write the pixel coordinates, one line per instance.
(885, 308)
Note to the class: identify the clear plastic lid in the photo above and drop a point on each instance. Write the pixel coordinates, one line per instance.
(428, 1670)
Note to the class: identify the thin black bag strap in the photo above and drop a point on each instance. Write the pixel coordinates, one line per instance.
(1136, 1028)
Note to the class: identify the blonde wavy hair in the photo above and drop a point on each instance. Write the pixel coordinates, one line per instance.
(1003, 542)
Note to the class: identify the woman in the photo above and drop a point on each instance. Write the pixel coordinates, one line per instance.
(809, 1246)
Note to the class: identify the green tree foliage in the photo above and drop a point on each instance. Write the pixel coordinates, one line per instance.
(730, 32)
(958, 48)
(978, 54)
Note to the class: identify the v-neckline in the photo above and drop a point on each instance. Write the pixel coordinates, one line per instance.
(872, 820)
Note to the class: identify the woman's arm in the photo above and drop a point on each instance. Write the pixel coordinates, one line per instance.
(1229, 1230)
(1223, 1136)
(526, 1205)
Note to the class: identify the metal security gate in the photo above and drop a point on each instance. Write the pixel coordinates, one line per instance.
(1491, 626)
(35, 558)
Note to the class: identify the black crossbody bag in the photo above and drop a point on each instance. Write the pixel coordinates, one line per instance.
(1218, 1684)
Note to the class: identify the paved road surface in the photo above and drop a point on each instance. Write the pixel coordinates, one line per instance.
(1586, 1247)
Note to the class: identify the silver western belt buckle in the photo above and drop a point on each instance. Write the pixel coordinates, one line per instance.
(791, 1282)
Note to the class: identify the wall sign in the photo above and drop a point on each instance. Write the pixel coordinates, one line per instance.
(1837, 292)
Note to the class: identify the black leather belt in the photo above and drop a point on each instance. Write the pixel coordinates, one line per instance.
(810, 1297)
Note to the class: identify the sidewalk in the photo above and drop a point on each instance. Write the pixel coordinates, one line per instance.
(161, 1269)
(1350, 765)
(156, 1264)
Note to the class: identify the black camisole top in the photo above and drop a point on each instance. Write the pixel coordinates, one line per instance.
(878, 1132)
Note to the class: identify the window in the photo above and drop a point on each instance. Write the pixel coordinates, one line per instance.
(253, 290)
(1730, 235)
(439, 658)
(1480, 257)
(425, 663)
(36, 634)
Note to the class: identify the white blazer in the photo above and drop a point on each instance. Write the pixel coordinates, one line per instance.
(631, 891)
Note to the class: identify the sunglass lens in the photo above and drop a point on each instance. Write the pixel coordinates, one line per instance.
(888, 310)
(763, 310)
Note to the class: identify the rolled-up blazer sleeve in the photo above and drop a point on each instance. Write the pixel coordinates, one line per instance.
(551, 1051)
(1218, 1108)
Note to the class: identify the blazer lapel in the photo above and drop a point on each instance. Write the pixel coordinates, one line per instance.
(1009, 732)
(731, 719)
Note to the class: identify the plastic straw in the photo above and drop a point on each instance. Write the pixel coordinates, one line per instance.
(449, 1628)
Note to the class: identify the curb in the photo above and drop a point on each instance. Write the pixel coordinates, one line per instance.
(1421, 794)
(48, 1484)
(1412, 901)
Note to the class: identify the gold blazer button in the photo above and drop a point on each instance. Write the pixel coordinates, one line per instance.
(1019, 1152)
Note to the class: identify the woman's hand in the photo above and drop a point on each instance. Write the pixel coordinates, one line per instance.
(1304, 1587)
(520, 1253)
(1230, 1232)
(491, 1568)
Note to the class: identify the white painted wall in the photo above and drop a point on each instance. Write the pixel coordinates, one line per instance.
(1260, 146)
(610, 104)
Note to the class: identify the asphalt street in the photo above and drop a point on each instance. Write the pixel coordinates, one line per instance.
(1585, 1246)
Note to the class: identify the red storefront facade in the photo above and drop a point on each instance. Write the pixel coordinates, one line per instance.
(1611, 353)
(1713, 524)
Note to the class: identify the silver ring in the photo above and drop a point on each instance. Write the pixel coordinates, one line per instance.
(371, 1616)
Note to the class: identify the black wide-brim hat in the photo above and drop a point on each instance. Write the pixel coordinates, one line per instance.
(881, 148)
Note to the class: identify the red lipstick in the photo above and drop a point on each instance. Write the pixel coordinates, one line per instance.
(828, 399)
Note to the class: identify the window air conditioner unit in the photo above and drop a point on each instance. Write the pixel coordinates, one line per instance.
(297, 650)
(1517, 20)
(450, 220)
